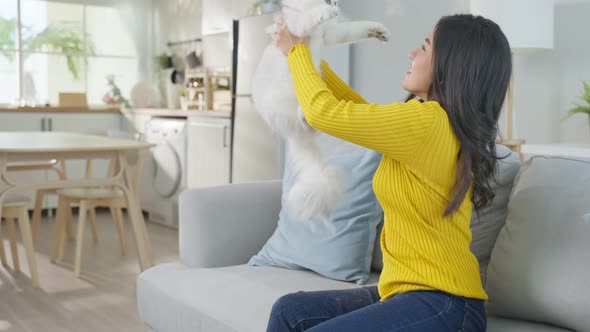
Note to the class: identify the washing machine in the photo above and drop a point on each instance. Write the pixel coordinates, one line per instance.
(164, 172)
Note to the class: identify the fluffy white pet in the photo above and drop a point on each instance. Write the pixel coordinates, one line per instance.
(318, 187)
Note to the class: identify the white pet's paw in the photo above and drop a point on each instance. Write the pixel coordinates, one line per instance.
(379, 31)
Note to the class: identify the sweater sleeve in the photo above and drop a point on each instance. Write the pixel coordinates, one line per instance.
(395, 130)
(339, 88)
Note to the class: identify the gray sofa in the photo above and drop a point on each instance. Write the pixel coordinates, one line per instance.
(212, 289)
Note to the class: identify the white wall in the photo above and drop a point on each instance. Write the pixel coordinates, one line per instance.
(571, 59)
(546, 84)
(378, 69)
(217, 51)
(179, 20)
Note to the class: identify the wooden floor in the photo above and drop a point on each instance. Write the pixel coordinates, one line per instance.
(103, 299)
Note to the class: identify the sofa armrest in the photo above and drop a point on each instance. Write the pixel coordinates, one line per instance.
(226, 225)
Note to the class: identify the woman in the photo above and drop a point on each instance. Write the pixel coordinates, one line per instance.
(438, 159)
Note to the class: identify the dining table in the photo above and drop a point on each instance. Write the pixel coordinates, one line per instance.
(31, 147)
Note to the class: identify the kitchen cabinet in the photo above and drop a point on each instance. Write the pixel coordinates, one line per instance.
(208, 151)
(21, 121)
(69, 122)
(217, 15)
(91, 123)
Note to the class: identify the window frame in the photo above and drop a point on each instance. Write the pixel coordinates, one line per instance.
(20, 51)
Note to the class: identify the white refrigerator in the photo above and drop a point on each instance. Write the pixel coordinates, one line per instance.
(257, 153)
(255, 148)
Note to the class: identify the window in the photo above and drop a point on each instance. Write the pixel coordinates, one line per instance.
(9, 78)
(65, 46)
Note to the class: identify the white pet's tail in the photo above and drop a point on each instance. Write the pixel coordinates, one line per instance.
(318, 187)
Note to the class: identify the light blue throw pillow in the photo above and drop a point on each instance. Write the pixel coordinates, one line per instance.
(339, 246)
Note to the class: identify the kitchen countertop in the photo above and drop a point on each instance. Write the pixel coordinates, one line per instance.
(150, 111)
(179, 113)
(58, 109)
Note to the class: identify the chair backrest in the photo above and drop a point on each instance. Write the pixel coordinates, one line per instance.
(96, 132)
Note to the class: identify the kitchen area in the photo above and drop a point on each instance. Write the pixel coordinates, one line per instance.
(109, 110)
(187, 93)
(205, 134)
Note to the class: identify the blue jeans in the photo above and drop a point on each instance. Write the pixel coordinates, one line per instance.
(360, 310)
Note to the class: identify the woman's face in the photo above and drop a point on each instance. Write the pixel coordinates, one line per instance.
(419, 78)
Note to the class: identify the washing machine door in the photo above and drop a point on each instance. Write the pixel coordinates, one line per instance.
(167, 175)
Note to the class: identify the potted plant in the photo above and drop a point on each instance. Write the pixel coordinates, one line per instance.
(581, 108)
(266, 6)
(58, 37)
(183, 99)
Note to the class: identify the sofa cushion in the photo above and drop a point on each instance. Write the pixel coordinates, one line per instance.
(484, 229)
(341, 245)
(539, 267)
(497, 324)
(172, 297)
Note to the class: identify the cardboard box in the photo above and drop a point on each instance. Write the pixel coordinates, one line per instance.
(71, 99)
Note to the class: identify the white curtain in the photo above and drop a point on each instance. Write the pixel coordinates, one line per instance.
(137, 16)
(87, 2)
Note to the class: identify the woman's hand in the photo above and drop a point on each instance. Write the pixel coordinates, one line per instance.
(285, 40)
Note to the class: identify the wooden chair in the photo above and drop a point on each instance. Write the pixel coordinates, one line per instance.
(57, 166)
(91, 198)
(15, 208)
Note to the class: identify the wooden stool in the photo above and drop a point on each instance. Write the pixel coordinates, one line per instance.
(15, 207)
(89, 200)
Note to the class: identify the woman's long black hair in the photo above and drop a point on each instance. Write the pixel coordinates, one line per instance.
(472, 64)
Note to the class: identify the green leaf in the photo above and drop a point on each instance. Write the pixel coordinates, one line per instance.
(576, 110)
(586, 96)
(73, 66)
(7, 32)
(58, 37)
(63, 38)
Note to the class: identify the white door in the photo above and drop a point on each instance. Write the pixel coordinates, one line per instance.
(208, 152)
(252, 41)
(255, 147)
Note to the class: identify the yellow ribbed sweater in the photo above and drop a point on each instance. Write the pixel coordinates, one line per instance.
(422, 250)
